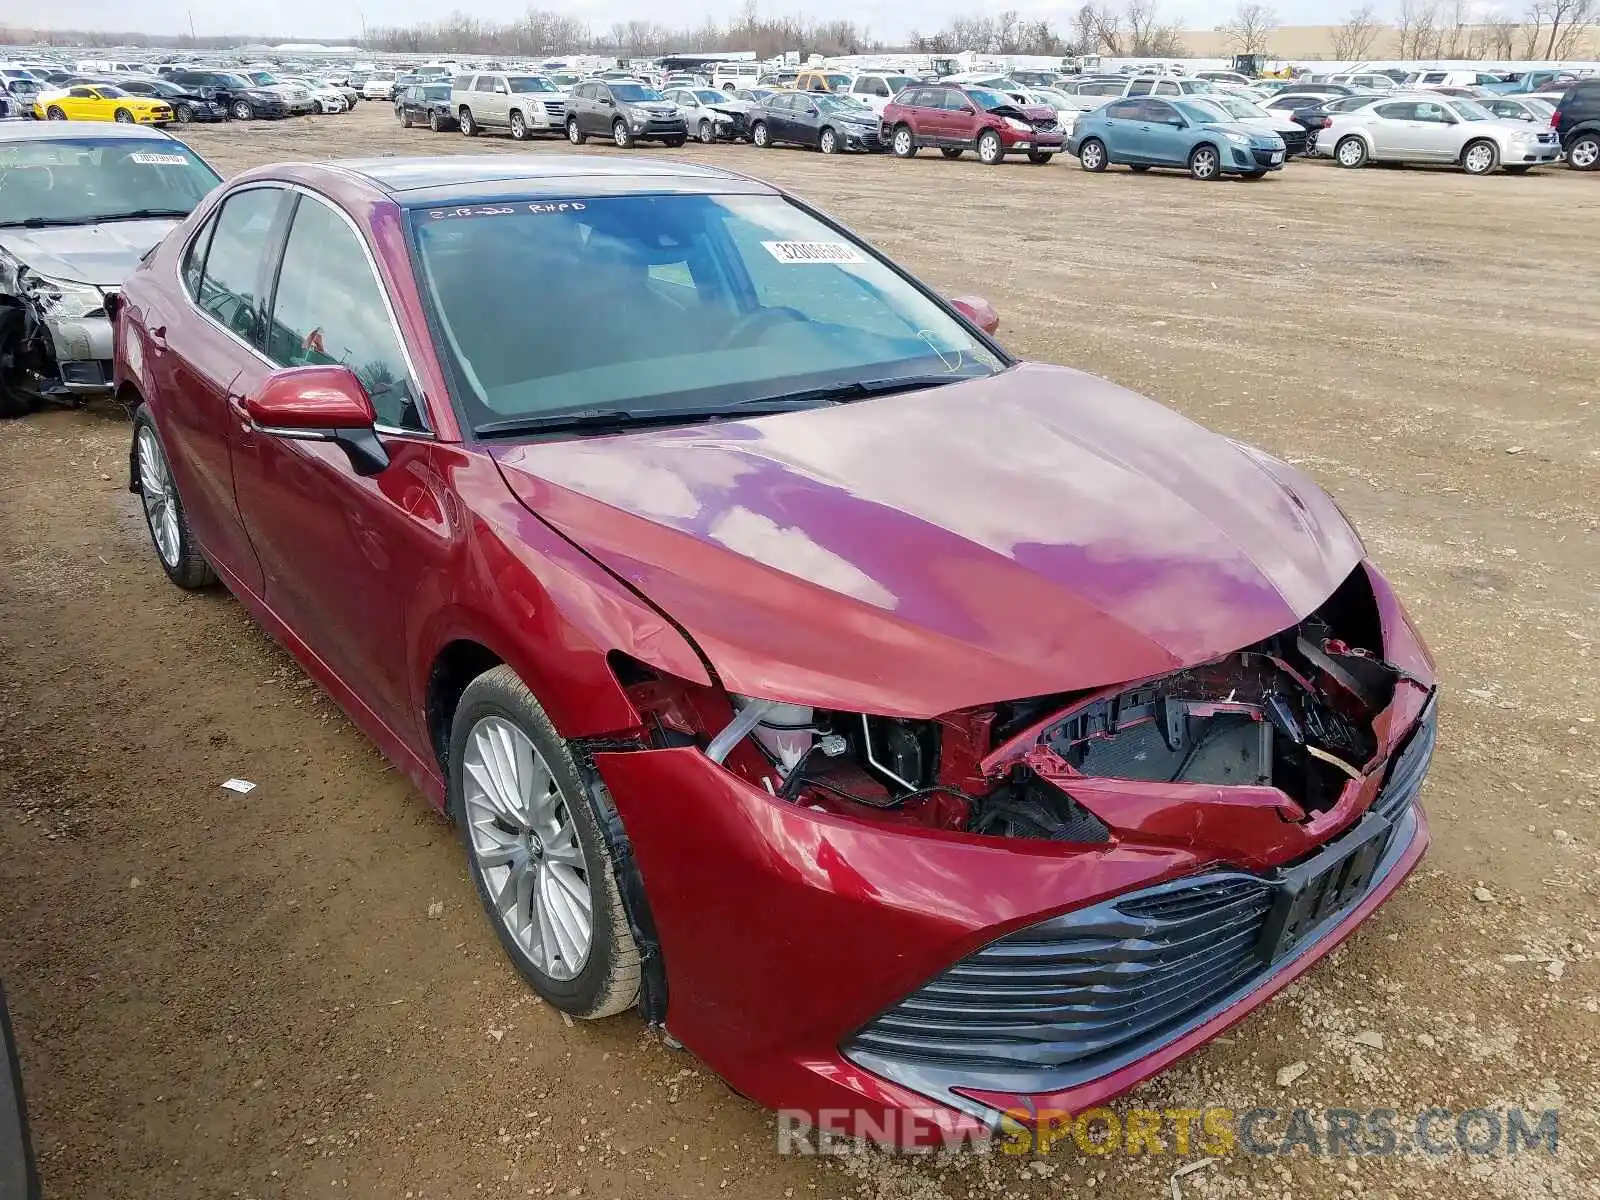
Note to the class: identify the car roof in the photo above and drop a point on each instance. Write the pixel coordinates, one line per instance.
(479, 179)
(63, 131)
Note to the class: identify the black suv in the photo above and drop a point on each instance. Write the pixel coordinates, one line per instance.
(244, 99)
(1577, 124)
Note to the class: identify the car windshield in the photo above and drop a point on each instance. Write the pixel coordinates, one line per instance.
(710, 301)
(82, 180)
(530, 83)
(1196, 87)
(984, 98)
(898, 83)
(381, 76)
(634, 93)
(24, 87)
(832, 103)
(566, 80)
(1471, 110)
(435, 91)
(1202, 112)
(1236, 106)
(264, 78)
(708, 96)
(838, 82)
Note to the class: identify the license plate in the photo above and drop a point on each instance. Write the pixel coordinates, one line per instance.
(1324, 885)
(1277, 156)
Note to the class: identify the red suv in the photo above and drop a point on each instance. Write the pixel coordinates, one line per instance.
(957, 119)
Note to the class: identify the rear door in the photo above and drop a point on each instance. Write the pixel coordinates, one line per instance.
(1124, 133)
(205, 356)
(342, 553)
(1394, 129)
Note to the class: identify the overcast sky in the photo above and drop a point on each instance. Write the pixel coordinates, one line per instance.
(343, 18)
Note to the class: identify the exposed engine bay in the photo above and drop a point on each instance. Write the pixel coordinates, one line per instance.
(1294, 712)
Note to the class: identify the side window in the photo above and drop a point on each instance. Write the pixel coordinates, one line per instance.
(1157, 113)
(329, 309)
(1397, 112)
(1435, 113)
(499, 88)
(194, 260)
(230, 285)
(1167, 88)
(1139, 87)
(1124, 110)
(954, 101)
(81, 93)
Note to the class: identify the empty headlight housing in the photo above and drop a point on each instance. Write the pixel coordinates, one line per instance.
(63, 298)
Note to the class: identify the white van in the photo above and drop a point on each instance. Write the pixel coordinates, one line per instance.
(731, 76)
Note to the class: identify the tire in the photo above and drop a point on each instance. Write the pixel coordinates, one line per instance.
(519, 127)
(164, 517)
(1480, 157)
(1518, 168)
(516, 794)
(1138, 168)
(620, 136)
(405, 119)
(991, 150)
(828, 141)
(184, 114)
(1350, 152)
(14, 402)
(903, 142)
(469, 127)
(54, 113)
(434, 123)
(122, 117)
(706, 134)
(1584, 152)
(761, 136)
(1039, 157)
(1092, 155)
(951, 151)
(575, 135)
(242, 111)
(1205, 163)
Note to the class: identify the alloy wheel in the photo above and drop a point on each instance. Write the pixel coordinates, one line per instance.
(160, 503)
(829, 142)
(1350, 153)
(1584, 155)
(707, 135)
(1479, 159)
(525, 848)
(1203, 163)
(519, 127)
(184, 114)
(902, 142)
(1091, 156)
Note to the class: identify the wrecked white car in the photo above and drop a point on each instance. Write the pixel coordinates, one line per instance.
(79, 207)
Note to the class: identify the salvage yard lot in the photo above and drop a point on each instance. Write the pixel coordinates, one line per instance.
(292, 993)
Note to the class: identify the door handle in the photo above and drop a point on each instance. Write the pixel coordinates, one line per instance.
(236, 404)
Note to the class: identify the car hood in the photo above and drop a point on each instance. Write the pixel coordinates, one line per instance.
(1255, 132)
(1038, 531)
(103, 255)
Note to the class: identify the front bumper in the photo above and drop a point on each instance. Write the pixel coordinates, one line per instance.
(1046, 142)
(80, 350)
(865, 138)
(659, 131)
(1254, 158)
(1517, 153)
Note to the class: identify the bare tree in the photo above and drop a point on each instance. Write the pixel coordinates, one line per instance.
(1455, 30)
(1109, 34)
(1499, 35)
(1250, 27)
(1417, 29)
(1353, 40)
(1557, 26)
(1147, 34)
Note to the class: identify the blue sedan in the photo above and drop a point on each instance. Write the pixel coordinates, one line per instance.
(1193, 133)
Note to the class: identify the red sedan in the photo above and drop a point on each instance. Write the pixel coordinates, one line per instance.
(910, 730)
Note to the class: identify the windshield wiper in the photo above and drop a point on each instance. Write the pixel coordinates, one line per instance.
(603, 420)
(138, 214)
(142, 214)
(857, 389)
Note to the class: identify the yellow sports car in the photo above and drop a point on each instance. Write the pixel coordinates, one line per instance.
(103, 103)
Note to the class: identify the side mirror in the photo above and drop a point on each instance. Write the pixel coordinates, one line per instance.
(977, 310)
(320, 404)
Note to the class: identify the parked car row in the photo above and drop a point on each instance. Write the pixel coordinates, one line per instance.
(180, 97)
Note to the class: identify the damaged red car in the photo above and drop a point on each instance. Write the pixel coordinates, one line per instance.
(905, 728)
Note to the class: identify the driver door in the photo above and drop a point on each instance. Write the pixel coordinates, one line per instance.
(497, 101)
(1437, 132)
(1163, 133)
(1124, 131)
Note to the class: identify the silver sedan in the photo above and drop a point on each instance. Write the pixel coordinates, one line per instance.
(1430, 128)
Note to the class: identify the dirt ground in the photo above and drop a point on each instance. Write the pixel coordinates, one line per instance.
(225, 995)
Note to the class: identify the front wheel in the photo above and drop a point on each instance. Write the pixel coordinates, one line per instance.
(905, 142)
(1039, 157)
(952, 151)
(1204, 164)
(1092, 155)
(828, 141)
(469, 126)
(706, 133)
(1480, 157)
(620, 134)
(761, 136)
(519, 127)
(242, 110)
(575, 135)
(990, 148)
(1350, 152)
(538, 855)
(164, 516)
(1584, 153)
(184, 114)
(54, 113)
(435, 124)
(123, 117)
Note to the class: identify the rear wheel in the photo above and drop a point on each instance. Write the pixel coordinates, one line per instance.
(519, 127)
(904, 142)
(1480, 157)
(1350, 152)
(532, 828)
(1039, 157)
(469, 127)
(164, 516)
(1092, 155)
(575, 135)
(990, 149)
(1584, 153)
(1204, 164)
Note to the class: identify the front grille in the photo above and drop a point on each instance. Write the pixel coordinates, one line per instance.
(1264, 157)
(555, 109)
(1077, 996)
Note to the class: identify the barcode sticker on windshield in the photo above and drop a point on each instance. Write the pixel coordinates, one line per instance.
(814, 252)
(160, 160)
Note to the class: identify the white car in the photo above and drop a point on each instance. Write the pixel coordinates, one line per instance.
(329, 98)
(379, 86)
(876, 88)
(1430, 128)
